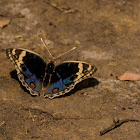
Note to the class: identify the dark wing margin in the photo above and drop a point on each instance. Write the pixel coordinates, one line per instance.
(30, 68)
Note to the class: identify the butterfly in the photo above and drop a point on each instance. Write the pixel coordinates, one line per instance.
(41, 77)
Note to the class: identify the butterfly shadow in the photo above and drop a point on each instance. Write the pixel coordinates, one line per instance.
(89, 82)
(14, 76)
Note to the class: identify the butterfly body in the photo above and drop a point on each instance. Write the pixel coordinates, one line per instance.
(41, 77)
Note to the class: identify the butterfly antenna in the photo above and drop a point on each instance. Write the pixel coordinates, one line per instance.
(47, 48)
(65, 52)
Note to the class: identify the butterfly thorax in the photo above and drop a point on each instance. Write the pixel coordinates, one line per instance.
(50, 67)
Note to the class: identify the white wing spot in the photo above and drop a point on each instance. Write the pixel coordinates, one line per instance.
(13, 52)
(20, 60)
(79, 73)
(89, 68)
(23, 53)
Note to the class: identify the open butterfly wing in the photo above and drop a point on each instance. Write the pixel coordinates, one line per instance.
(30, 68)
(66, 76)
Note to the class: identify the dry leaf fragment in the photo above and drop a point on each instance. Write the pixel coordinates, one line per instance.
(61, 9)
(129, 76)
(77, 42)
(4, 22)
(112, 63)
(18, 36)
(14, 89)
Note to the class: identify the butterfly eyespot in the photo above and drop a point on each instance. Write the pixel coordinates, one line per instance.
(32, 85)
(55, 90)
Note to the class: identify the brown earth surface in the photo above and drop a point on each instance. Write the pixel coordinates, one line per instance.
(107, 35)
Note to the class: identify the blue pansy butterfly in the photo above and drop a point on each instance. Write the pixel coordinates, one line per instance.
(41, 77)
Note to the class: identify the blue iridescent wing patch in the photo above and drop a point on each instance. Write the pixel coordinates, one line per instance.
(66, 76)
(30, 68)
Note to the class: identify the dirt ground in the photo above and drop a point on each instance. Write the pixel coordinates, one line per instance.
(106, 34)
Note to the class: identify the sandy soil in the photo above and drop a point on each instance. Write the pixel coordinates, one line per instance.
(107, 35)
